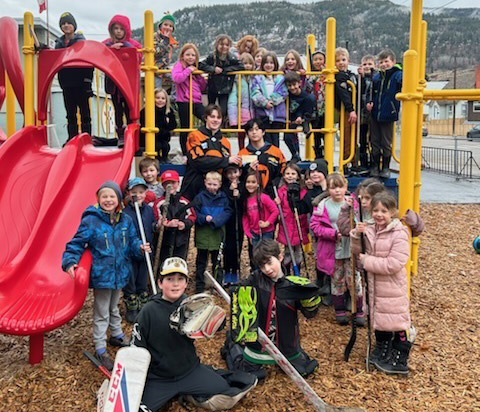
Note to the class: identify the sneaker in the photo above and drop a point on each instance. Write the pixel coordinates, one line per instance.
(105, 360)
(360, 320)
(142, 300)
(374, 172)
(119, 342)
(121, 142)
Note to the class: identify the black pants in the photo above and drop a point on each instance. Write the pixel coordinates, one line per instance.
(291, 140)
(202, 262)
(318, 139)
(364, 145)
(163, 146)
(184, 115)
(233, 248)
(222, 102)
(121, 108)
(381, 137)
(203, 380)
(77, 97)
(272, 138)
(138, 281)
(176, 251)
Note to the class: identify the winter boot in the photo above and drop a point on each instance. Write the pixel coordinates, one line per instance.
(375, 165)
(397, 362)
(340, 312)
(105, 359)
(323, 282)
(119, 341)
(142, 300)
(304, 364)
(385, 172)
(120, 134)
(360, 318)
(131, 303)
(383, 347)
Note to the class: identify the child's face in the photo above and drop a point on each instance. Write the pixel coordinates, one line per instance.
(341, 62)
(108, 200)
(118, 31)
(386, 64)
(160, 99)
(318, 62)
(308, 181)
(251, 184)
(166, 28)
(223, 47)
(382, 215)
(213, 121)
(173, 186)
(294, 88)
(290, 61)
(233, 174)
(190, 57)
(255, 134)
(139, 191)
(337, 193)
(173, 286)
(273, 268)
(317, 177)
(269, 64)
(368, 66)
(247, 47)
(366, 199)
(212, 185)
(290, 175)
(247, 65)
(150, 174)
(258, 59)
(67, 28)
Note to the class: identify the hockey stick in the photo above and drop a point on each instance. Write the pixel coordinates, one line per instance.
(365, 277)
(144, 241)
(163, 215)
(136, 363)
(282, 361)
(353, 295)
(296, 270)
(299, 230)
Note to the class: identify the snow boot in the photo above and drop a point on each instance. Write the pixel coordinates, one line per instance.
(383, 347)
(340, 313)
(375, 165)
(142, 300)
(119, 342)
(304, 364)
(385, 172)
(397, 362)
(131, 303)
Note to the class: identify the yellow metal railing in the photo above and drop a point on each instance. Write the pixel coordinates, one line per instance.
(341, 161)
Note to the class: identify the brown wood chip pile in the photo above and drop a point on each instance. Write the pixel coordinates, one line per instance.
(444, 362)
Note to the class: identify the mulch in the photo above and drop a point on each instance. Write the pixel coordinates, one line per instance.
(444, 363)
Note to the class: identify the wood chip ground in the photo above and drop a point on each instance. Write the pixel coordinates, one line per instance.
(444, 366)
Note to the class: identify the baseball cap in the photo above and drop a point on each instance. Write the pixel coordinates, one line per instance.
(135, 182)
(169, 176)
(174, 265)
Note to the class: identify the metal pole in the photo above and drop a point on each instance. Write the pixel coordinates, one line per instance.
(10, 103)
(28, 51)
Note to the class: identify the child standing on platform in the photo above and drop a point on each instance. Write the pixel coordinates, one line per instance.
(387, 250)
(163, 43)
(293, 63)
(112, 239)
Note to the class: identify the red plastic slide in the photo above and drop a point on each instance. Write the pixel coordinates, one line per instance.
(43, 193)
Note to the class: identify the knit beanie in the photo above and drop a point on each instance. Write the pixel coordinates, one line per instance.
(320, 165)
(68, 18)
(168, 16)
(110, 184)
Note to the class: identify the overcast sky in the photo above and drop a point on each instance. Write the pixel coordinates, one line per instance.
(92, 15)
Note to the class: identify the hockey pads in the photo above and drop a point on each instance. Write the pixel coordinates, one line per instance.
(311, 304)
(244, 322)
(197, 317)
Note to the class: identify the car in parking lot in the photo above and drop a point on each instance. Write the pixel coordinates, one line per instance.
(474, 133)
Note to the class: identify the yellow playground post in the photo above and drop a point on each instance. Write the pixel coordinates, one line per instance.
(28, 51)
(10, 103)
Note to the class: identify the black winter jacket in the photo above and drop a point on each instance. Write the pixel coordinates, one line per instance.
(164, 127)
(220, 83)
(343, 91)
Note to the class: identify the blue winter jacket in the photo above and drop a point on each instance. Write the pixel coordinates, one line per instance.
(386, 84)
(148, 219)
(112, 247)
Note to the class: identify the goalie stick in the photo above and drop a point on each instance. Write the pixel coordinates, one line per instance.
(126, 382)
(282, 361)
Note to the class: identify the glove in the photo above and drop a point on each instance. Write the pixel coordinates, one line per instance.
(311, 304)
(293, 194)
(198, 317)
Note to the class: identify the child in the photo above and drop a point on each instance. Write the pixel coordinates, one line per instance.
(165, 122)
(270, 161)
(175, 367)
(218, 65)
(258, 56)
(333, 249)
(293, 63)
(315, 84)
(317, 172)
(163, 42)
(135, 294)
(343, 94)
(213, 211)
(384, 107)
(290, 193)
(387, 251)
(120, 36)
(76, 83)
(367, 72)
(278, 315)
(182, 70)
(301, 106)
(233, 227)
(246, 106)
(247, 44)
(149, 169)
(179, 218)
(112, 239)
(268, 95)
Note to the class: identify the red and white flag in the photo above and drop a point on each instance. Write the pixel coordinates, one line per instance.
(42, 5)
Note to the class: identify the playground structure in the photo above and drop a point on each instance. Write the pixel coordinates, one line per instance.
(35, 295)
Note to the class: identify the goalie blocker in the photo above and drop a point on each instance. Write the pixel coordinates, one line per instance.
(167, 327)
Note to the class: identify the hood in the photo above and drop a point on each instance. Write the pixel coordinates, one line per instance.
(159, 300)
(264, 148)
(123, 21)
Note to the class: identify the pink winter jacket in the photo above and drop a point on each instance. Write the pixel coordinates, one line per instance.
(250, 218)
(387, 253)
(290, 220)
(181, 76)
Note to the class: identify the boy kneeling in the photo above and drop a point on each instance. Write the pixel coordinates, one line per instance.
(175, 368)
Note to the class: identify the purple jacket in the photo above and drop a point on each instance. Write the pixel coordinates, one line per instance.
(290, 220)
(260, 98)
(181, 75)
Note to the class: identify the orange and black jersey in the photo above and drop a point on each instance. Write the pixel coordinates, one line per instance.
(206, 152)
(271, 164)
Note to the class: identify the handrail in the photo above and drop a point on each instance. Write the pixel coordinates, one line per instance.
(394, 144)
(341, 161)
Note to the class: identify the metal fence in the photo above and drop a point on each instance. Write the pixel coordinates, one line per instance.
(458, 163)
